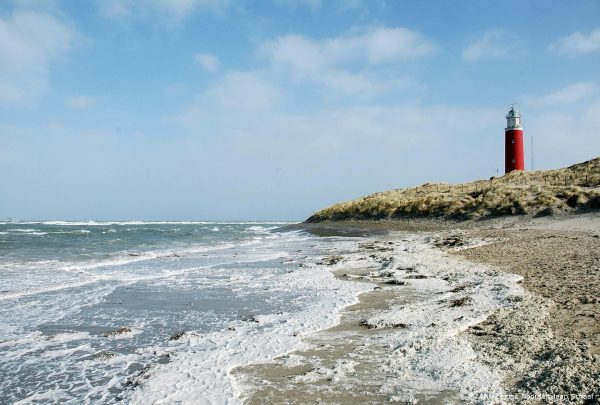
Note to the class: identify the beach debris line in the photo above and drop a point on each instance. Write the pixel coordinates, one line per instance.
(376, 246)
(330, 260)
(456, 240)
(177, 336)
(139, 378)
(365, 323)
(460, 302)
(251, 318)
(104, 356)
(117, 332)
(395, 282)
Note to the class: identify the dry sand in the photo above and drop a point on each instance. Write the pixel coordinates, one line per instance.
(549, 345)
(546, 347)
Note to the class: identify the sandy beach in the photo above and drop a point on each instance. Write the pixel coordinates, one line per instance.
(498, 311)
(548, 346)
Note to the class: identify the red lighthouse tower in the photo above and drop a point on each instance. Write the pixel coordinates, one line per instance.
(514, 153)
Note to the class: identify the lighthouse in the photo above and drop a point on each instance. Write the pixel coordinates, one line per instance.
(514, 154)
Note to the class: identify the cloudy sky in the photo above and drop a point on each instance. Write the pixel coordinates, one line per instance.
(272, 109)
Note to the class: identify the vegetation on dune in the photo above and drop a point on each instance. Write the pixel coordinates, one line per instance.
(542, 192)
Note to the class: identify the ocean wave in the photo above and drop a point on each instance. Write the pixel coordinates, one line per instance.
(91, 278)
(46, 289)
(79, 231)
(127, 257)
(37, 264)
(261, 230)
(108, 223)
(39, 232)
(57, 295)
(214, 354)
(88, 272)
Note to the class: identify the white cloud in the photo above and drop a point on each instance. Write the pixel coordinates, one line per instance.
(171, 10)
(376, 46)
(333, 153)
(210, 63)
(347, 63)
(329, 149)
(251, 111)
(578, 43)
(29, 44)
(565, 125)
(40, 5)
(360, 6)
(395, 44)
(81, 102)
(240, 93)
(568, 95)
(494, 44)
(310, 4)
(175, 88)
(341, 152)
(353, 5)
(565, 135)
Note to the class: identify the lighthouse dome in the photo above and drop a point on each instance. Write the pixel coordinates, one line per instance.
(513, 117)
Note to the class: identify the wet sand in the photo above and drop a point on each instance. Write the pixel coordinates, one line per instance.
(340, 364)
(545, 348)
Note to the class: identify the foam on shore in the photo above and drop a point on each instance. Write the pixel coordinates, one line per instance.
(200, 373)
(411, 348)
(430, 353)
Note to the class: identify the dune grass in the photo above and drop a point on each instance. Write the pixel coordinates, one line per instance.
(542, 192)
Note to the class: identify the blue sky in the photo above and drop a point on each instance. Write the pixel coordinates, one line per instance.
(270, 110)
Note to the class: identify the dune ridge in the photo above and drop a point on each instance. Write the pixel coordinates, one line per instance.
(540, 193)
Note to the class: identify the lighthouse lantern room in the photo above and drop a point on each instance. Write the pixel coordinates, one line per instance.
(514, 153)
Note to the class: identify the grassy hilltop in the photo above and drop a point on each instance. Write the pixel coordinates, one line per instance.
(542, 192)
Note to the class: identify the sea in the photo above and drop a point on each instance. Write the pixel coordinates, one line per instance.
(122, 312)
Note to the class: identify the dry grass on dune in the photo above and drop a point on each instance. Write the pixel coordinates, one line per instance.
(539, 193)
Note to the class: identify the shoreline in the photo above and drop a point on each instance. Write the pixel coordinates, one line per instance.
(527, 345)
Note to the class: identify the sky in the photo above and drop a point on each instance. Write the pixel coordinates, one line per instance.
(273, 109)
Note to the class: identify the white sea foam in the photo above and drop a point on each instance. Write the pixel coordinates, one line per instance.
(78, 231)
(58, 353)
(58, 294)
(38, 232)
(106, 223)
(430, 354)
(336, 374)
(265, 230)
(200, 373)
(125, 335)
(41, 290)
(69, 337)
(26, 231)
(112, 269)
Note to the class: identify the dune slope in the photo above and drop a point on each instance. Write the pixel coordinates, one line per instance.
(542, 192)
